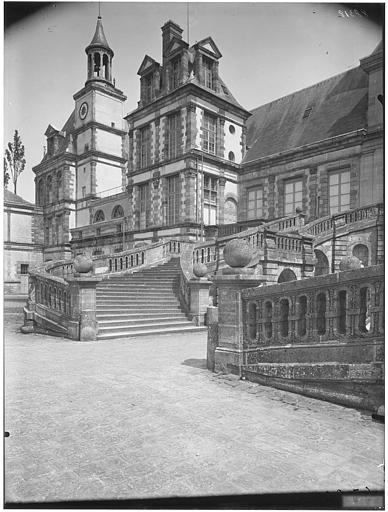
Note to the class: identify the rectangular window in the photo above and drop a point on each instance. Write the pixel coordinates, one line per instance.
(172, 139)
(148, 88)
(119, 228)
(145, 146)
(210, 193)
(208, 69)
(209, 133)
(175, 73)
(255, 203)
(173, 200)
(83, 191)
(339, 191)
(24, 268)
(145, 205)
(293, 196)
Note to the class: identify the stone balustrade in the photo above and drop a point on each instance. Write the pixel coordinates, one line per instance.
(319, 309)
(324, 226)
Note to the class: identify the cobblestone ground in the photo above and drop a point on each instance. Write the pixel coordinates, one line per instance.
(144, 418)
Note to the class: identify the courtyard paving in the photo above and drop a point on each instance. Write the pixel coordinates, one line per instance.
(143, 417)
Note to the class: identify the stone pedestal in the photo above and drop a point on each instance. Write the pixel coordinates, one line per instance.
(83, 325)
(229, 353)
(199, 299)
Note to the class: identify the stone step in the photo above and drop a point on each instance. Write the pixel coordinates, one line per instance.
(136, 322)
(150, 331)
(103, 317)
(168, 294)
(141, 325)
(114, 308)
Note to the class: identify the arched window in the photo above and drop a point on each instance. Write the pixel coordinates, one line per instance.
(105, 61)
(322, 265)
(99, 216)
(287, 275)
(361, 252)
(59, 191)
(49, 189)
(97, 65)
(117, 212)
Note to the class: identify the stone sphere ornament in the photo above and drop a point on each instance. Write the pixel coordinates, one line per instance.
(350, 263)
(238, 253)
(199, 269)
(82, 264)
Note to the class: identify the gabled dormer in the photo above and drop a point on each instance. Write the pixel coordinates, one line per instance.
(55, 139)
(150, 80)
(206, 63)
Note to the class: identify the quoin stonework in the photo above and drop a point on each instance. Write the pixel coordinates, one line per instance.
(138, 211)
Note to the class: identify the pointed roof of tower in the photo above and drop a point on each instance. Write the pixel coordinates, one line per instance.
(99, 39)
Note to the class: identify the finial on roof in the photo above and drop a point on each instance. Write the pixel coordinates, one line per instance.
(99, 39)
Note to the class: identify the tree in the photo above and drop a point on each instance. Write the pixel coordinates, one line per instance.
(14, 161)
(6, 174)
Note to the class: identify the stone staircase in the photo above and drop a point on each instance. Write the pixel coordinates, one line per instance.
(142, 303)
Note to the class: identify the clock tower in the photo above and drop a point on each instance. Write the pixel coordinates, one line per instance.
(99, 130)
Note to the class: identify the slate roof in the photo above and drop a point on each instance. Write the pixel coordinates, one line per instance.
(67, 129)
(338, 105)
(99, 39)
(13, 199)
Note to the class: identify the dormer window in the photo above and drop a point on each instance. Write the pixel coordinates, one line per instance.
(175, 73)
(148, 89)
(208, 72)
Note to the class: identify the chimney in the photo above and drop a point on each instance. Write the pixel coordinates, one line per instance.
(170, 30)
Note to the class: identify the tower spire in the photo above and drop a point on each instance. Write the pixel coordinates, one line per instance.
(100, 54)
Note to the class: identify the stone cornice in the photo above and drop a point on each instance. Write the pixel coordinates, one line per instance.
(181, 92)
(100, 154)
(95, 124)
(95, 86)
(316, 148)
(54, 162)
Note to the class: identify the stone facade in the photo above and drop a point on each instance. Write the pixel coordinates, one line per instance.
(23, 242)
(319, 149)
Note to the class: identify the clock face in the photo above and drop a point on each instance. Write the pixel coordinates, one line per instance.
(83, 110)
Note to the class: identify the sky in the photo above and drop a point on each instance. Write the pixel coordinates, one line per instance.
(269, 50)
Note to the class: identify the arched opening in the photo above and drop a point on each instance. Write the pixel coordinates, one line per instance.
(364, 322)
(59, 185)
(302, 307)
(287, 275)
(322, 264)
(105, 66)
(117, 212)
(268, 319)
(321, 313)
(252, 321)
(99, 216)
(361, 252)
(89, 65)
(284, 312)
(230, 211)
(49, 189)
(97, 65)
(341, 319)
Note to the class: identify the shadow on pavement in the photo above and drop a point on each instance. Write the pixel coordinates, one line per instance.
(196, 363)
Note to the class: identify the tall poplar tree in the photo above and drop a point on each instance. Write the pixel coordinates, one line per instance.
(14, 161)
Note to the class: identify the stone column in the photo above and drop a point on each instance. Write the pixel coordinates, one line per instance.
(191, 126)
(212, 336)
(271, 197)
(93, 180)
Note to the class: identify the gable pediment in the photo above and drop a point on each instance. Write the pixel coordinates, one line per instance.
(51, 131)
(209, 46)
(176, 45)
(147, 65)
